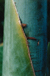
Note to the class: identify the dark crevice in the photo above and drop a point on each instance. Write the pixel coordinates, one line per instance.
(1, 19)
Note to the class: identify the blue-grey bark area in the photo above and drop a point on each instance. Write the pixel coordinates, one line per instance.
(34, 14)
